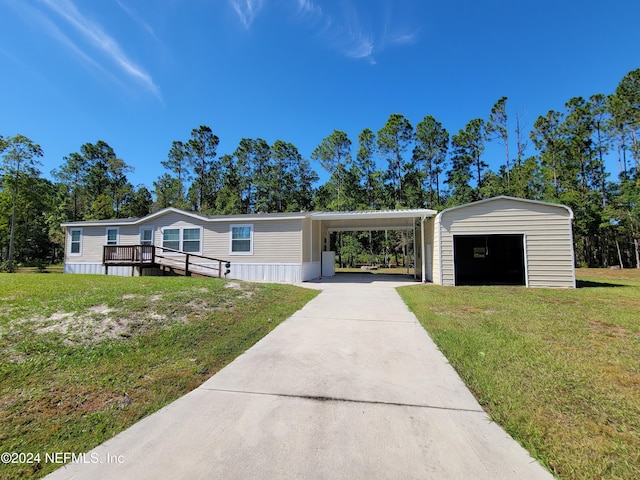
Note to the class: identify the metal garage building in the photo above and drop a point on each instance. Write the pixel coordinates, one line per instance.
(503, 241)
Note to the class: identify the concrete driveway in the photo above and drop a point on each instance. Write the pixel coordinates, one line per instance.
(349, 387)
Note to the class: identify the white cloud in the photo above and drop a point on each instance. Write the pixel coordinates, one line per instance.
(348, 26)
(404, 38)
(94, 33)
(361, 48)
(360, 29)
(247, 10)
(138, 19)
(47, 25)
(307, 7)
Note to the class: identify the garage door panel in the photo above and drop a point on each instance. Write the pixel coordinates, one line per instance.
(489, 259)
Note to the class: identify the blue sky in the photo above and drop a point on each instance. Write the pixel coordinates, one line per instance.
(139, 74)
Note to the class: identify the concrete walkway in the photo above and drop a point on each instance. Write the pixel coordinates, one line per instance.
(349, 387)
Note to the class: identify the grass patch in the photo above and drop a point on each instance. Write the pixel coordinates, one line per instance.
(558, 369)
(82, 357)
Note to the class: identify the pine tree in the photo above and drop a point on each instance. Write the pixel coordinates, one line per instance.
(393, 140)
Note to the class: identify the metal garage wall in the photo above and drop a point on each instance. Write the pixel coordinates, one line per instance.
(546, 228)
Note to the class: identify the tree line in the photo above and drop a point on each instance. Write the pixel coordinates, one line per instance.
(397, 166)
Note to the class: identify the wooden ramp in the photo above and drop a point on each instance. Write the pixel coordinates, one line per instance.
(169, 261)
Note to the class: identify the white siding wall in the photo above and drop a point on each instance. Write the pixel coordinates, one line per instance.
(94, 238)
(437, 256)
(311, 249)
(547, 231)
(428, 246)
(307, 239)
(91, 243)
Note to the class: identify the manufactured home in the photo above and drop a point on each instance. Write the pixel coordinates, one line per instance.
(502, 240)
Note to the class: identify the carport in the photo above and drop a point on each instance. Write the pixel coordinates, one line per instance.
(410, 220)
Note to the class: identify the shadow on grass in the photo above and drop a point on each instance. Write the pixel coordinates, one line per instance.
(590, 284)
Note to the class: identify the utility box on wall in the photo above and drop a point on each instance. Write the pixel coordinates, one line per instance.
(328, 264)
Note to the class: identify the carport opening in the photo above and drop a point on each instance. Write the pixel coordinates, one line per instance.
(489, 259)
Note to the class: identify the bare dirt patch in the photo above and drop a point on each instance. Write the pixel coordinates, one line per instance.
(246, 288)
(133, 314)
(601, 326)
(98, 323)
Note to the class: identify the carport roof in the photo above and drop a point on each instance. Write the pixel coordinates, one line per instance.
(364, 220)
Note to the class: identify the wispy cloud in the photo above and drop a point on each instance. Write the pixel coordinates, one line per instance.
(355, 34)
(48, 26)
(247, 10)
(404, 38)
(361, 47)
(138, 19)
(307, 7)
(101, 40)
(357, 29)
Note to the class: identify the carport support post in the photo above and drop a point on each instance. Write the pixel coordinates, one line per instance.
(423, 259)
(415, 257)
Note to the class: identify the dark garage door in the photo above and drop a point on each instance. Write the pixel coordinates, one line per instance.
(489, 259)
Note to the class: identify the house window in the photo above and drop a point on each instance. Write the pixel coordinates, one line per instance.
(171, 238)
(241, 240)
(112, 236)
(183, 239)
(191, 240)
(75, 245)
(146, 236)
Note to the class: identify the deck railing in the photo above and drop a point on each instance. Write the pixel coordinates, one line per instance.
(128, 254)
(153, 256)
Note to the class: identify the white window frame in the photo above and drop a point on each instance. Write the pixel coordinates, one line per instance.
(152, 241)
(241, 225)
(106, 235)
(71, 242)
(181, 238)
(162, 240)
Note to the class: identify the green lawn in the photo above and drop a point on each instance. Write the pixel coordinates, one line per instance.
(82, 357)
(558, 369)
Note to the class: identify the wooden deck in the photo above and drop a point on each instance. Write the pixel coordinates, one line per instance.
(169, 261)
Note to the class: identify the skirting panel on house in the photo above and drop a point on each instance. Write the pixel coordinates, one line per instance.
(257, 272)
(91, 268)
(98, 268)
(311, 270)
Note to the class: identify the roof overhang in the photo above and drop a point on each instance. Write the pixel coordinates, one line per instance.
(240, 218)
(505, 197)
(371, 220)
(364, 220)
